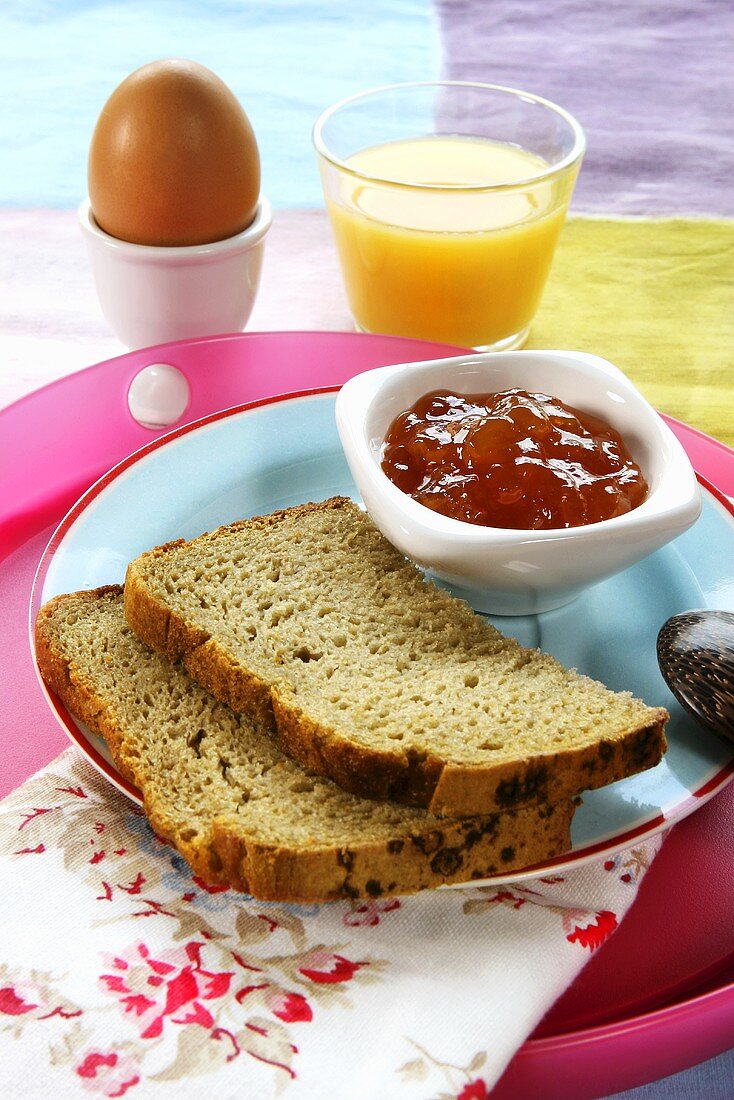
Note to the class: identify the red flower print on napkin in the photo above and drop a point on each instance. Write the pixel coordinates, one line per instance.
(13, 1005)
(173, 986)
(327, 969)
(420, 1068)
(475, 1090)
(593, 934)
(292, 1008)
(108, 1074)
(27, 997)
(369, 913)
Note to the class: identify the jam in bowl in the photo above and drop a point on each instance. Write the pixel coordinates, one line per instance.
(517, 478)
(511, 459)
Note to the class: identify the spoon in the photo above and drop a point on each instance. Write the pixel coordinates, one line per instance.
(696, 658)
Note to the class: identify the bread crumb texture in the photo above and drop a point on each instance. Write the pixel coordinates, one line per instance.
(312, 620)
(216, 785)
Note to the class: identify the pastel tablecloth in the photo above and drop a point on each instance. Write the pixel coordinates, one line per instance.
(650, 83)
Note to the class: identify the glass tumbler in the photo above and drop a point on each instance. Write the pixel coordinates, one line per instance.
(446, 201)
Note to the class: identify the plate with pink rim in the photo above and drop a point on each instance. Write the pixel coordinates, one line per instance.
(276, 452)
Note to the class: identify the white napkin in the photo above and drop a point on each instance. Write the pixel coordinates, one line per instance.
(122, 974)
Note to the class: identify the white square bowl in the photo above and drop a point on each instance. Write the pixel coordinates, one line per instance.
(511, 572)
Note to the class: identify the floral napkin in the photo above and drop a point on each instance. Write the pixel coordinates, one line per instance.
(123, 974)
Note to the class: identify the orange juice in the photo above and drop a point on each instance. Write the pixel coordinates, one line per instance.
(441, 251)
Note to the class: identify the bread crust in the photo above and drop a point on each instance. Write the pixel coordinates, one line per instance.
(458, 851)
(448, 790)
(443, 788)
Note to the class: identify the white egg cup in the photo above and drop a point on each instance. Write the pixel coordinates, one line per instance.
(151, 295)
(509, 572)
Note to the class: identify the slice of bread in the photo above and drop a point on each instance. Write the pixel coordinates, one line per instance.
(242, 813)
(311, 621)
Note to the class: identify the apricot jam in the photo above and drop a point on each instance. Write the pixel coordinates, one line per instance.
(511, 459)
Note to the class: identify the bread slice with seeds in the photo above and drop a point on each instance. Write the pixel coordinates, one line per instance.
(312, 622)
(242, 813)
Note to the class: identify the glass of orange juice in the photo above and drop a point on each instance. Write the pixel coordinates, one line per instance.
(446, 201)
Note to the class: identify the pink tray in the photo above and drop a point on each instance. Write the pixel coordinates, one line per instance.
(658, 997)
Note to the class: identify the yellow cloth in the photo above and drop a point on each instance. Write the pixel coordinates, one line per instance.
(656, 297)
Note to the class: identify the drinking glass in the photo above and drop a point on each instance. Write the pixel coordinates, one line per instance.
(446, 202)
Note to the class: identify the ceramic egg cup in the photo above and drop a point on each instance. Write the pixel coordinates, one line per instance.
(511, 572)
(151, 295)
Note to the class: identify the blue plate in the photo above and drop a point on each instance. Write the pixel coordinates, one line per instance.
(253, 460)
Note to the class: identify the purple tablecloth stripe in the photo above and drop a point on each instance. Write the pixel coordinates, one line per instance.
(652, 83)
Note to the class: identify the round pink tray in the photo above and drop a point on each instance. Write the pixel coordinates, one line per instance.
(659, 996)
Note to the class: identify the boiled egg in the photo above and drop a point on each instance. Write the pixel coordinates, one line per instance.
(173, 159)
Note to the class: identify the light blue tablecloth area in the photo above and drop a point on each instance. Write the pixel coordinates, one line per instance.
(651, 82)
(286, 60)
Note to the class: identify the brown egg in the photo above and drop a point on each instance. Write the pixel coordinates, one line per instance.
(173, 159)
